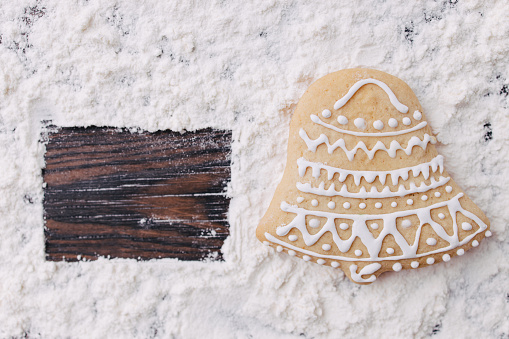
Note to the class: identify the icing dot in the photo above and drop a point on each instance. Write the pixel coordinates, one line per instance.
(334, 264)
(326, 113)
(360, 123)
(431, 241)
(448, 189)
(344, 226)
(430, 261)
(326, 247)
(314, 202)
(390, 250)
(266, 243)
(417, 115)
(346, 205)
(279, 249)
(407, 121)
(342, 120)
(292, 237)
(291, 253)
(397, 267)
(406, 223)
(300, 199)
(460, 251)
(320, 261)
(394, 204)
(475, 243)
(424, 197)
(409, 202)
(358, 253)
(306, 258)
(414, 264)
(446, 257)
(466, 226)
(433, 140)
(441, 215)
(314, 223)
(331, 205)
(362, 205)
(378, 205)
(393, 122)
(374, 226)
(437, 194)
(488, 234)
(378, 125)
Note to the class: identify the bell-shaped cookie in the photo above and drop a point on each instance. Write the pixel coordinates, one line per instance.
(364, 188)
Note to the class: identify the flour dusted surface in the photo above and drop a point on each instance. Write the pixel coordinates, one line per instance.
(243, 66)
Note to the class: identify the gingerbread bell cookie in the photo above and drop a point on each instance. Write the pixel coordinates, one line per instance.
(364, 188)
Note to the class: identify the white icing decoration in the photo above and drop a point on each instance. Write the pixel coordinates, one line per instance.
(372, 244)
(306, 258)
(344, 226)
(366, 270)
(448, 189)
(488, 234)
(430, 261)
(378, 125)
(424, 197)
(362, 205)
(417, 115)
(379, 146)
(320, 261)
(279, 249)
(397, 267)
(373, 193)
(393, 123)
(406, 223)
(266, 243)
(342, 120)
(406, 121)
(475, 243)
(292, 237)
(361, 124)
(409, 202)
(314, 223)
(437, 194)
(392, 97)
(358, 253)
(446, 257)
(425, 169)
(334, 264)
(346, 205)
(378, 205)
(326, 113)
(466, 226)
(460, 251)
(300, 199)
(326, 247)
(291, 253)
(314, 202)
(394, 204)
(390, 250)
(431, 241)
(414, 264)
(374, 226)
(331, 205)
(441, 215)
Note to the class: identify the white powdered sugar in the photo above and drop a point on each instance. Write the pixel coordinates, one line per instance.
(243, 66)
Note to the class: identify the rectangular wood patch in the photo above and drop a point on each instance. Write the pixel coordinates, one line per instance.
(112, 192)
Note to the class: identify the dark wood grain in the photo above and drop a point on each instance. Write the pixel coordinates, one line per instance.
(112, 192)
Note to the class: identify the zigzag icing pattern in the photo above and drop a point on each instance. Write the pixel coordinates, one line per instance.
(370, 176)
(379, 146)
(373, 245)
(373, 193)
(318, 121)
(392, 97)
